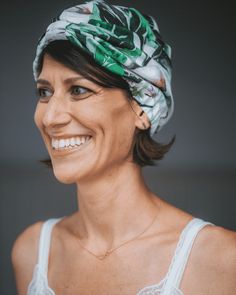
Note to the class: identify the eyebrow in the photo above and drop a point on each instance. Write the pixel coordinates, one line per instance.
(66, 81)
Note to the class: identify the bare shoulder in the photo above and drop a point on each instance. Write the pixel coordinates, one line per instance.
(24, 256)
(213, 261)
(219, 242)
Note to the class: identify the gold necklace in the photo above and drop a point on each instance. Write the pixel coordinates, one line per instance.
(108, 252)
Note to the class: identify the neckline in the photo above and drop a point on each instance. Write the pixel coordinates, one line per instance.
(170, 267)
(140, 291)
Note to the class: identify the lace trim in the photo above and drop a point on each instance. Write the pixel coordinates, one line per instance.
(157, 289)
(39, 283)
(39, 286)
(152, 289)
(179, 247)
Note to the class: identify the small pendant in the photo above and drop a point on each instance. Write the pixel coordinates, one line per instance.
(102, 257)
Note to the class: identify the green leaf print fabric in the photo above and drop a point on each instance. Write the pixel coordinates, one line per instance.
(124, 42)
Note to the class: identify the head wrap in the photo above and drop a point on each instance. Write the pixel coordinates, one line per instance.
(125, 42)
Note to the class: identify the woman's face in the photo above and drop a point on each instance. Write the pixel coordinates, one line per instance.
(87, 129)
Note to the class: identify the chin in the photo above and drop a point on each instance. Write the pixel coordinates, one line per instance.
(64, 179)
(65, 175)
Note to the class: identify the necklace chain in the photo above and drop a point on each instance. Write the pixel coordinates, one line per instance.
(108, 252)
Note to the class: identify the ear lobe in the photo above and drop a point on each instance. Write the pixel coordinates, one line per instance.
(141, 119)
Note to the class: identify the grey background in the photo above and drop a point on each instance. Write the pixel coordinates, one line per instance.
(197, 175)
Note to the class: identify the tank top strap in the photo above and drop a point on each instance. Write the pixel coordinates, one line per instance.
(182, 252)
(44, 243)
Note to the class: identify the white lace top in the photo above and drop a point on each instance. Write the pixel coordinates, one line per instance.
(169, 285)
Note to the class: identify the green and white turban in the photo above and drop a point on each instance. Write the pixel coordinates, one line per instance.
(125, 42)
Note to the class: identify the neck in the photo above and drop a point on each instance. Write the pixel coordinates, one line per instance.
(115, 207)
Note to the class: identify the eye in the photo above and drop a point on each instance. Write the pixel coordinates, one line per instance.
(43, 93)
(80, 92)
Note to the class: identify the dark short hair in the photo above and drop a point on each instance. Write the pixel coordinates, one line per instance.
(145, 149)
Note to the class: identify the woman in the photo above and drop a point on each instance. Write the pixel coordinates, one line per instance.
(103, 80)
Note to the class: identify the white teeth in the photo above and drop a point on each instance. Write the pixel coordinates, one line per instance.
(56, 144)
(72, 141)
(61, 143)
(68, 143)
(77, 140)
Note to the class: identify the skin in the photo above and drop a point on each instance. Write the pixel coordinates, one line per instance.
(115, 203)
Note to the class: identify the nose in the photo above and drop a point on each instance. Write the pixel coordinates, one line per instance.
(55, 114)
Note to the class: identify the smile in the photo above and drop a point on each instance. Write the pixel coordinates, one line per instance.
(69, 143)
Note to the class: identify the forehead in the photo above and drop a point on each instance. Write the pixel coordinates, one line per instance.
(54, 71)
(52, 66)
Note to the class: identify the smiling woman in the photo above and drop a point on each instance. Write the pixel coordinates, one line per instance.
(103, 85)
(63, 115)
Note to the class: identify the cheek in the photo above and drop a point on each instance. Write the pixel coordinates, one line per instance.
(118, 127)
(109, 112)
(38, 114)
(38, 120)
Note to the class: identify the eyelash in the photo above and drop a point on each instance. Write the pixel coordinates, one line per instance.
(44, 97)
(38, 92)
(85, 90)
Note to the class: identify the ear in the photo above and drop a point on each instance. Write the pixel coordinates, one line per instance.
(141, 119)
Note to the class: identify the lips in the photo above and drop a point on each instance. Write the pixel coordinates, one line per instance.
(68, 143)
